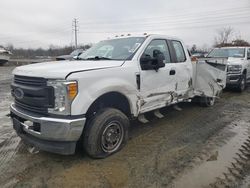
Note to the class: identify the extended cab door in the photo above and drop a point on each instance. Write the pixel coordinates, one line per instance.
(183, 68)
(160, 87)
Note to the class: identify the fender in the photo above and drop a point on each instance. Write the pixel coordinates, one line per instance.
(91, 87)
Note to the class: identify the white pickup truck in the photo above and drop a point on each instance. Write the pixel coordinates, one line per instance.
(238, 61)
(91, 99)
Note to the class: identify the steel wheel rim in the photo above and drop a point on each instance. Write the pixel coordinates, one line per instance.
(112, 137)
(211, 101)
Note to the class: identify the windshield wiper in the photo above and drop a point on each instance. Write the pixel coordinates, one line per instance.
(98, 58)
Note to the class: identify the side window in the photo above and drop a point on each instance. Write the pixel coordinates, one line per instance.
(179, 51)
(248, 53)
(158, 46)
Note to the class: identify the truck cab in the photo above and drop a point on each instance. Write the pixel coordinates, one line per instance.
(238, 60)
(91, 100)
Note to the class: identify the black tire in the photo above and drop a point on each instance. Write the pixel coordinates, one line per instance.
(207, 101)
(242, 85)
(107, 127)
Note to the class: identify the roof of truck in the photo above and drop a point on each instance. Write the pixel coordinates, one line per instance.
(234, 47)
(143, 35)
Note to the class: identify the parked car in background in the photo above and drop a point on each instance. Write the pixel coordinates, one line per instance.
(238, 60)
(4, 56)
(71, 56)
(198, 54)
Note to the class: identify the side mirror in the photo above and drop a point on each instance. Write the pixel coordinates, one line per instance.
(155, 63)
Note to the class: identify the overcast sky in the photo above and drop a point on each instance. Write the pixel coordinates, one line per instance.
(39, 23)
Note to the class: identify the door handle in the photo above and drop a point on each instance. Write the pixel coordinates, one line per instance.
(172, 72)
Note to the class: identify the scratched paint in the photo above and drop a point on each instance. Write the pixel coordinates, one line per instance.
(204, 83)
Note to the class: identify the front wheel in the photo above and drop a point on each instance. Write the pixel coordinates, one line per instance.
(106, 133)
(242, 85)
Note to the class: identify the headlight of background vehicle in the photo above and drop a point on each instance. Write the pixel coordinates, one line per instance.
(65, 92)
(235, 68)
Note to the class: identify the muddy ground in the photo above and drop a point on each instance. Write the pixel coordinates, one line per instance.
(194, 147)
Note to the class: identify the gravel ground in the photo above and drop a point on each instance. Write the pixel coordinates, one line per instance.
(5, 99)
(166, 152)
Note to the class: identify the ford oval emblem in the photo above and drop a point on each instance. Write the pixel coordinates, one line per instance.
(18, 93)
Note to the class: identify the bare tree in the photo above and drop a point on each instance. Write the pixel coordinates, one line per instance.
(193, 48)
(40, 52)
(240, 42)
(205, 48)
(224, 35)
(9, 47)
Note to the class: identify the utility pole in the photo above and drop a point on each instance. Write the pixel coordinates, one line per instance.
(75, 29)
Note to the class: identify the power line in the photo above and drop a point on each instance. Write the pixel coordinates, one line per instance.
(190, 20)
(183, 15)
(184, 20)
(220, 18)
(193, 22)
(168, 28)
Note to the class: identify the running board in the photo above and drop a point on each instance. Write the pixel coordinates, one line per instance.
(177, 108)
(158, 114)
(142, 118)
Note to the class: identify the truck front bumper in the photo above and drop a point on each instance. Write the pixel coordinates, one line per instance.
(233, 80)
(54, 135)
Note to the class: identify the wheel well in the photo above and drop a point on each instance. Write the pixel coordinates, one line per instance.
(111, 99)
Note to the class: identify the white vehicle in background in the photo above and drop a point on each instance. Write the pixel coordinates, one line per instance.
(238, 60)
(71, 56)
(91, 100)
(4, 56)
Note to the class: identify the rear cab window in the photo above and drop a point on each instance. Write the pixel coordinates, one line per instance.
(179, 51)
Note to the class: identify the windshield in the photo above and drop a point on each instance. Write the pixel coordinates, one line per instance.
(115, 49)
(227, 52)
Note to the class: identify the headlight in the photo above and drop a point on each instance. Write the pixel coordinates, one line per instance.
(65, 92)
(234, 68)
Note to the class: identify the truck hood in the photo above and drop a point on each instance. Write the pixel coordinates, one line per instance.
(234, 61)
(226, 61)
(60, 69)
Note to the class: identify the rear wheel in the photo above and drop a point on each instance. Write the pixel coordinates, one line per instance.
(207, 101)
(106, 133)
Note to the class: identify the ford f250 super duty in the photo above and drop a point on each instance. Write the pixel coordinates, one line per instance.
(91, 99)
(238, 61)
